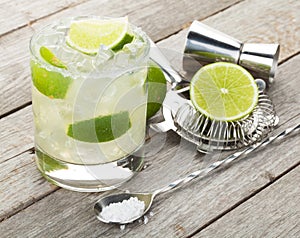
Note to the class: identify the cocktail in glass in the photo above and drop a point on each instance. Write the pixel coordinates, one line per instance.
(89, 108)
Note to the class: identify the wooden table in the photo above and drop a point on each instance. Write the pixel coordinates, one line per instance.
(259, 196)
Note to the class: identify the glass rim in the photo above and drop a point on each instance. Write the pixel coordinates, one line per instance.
(68, 20)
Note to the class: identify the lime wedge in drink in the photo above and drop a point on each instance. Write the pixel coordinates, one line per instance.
(157, 88)
(49, 57)
(224, 91)
(50, 83)
(87, 35)
(100, 129)
(47, 163)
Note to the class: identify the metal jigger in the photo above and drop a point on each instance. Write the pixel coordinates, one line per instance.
(208, 45)
(261, 60)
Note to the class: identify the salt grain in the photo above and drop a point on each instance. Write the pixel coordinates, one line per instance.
(122, 227)
(123, 211)
(146, 220)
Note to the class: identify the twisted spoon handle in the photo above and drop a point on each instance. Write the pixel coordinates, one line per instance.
(227, 160)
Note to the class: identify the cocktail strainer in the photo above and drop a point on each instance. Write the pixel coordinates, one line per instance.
(210, 135)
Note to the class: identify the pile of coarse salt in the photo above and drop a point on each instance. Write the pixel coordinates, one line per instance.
(123, 211)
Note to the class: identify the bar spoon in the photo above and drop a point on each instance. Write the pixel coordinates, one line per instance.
(148, 198)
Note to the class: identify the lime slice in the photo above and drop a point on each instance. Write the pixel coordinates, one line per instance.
(100, 129)
(50, 83)
(50, 58)
(224, 91)
(157, 89)
(87, 35)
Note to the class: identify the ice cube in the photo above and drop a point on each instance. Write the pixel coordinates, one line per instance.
(62, 28)
(85, 66)
(51, 39)
(77, 62)
(131, 53)
(133, 47)
(66, 54)
(43, 134)
(103, 56)
(122, 59)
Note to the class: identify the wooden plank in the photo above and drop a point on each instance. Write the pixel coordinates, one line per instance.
(254, 26)
(38, 225)
(274, 212)
(187, 209)
(262, 22)
(21, 184)
(15, 74)
(16, 133)
(17, 14)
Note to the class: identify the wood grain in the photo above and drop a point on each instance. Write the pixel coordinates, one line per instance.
(14, 71)
(262, 22)
(16, 133)
(37, 224)
(281, 26)
(17, 14)
(21, 184)
(276, 208)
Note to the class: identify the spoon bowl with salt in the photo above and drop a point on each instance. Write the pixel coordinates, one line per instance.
(123, 208)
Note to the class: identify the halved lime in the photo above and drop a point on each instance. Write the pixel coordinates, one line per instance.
(224, 91)
(87, 35)
(50, 58)
(50, 83)
(157, 89)
(100, 129)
